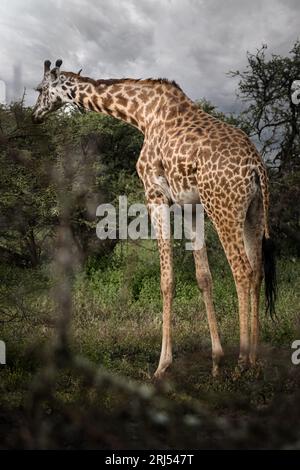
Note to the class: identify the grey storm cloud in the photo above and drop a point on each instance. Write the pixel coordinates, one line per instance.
(195, 42)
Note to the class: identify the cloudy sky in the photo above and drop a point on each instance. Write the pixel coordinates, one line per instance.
(194, 42)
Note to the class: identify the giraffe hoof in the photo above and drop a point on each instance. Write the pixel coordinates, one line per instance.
(241, 367)
(215, 372)
(252, 361)
(243, 362)
(159, 376)
(160, 372)
(217, 360)
(161, 382)
(256, 367)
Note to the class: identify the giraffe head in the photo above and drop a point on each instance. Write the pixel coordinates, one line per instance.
(54, 91)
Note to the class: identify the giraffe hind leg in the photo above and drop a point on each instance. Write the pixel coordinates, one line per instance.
(253, 235)
(231, 237)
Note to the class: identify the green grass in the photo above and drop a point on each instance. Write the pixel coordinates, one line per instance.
(117, 324)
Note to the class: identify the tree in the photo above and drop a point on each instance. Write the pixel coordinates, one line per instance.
(97, 155)
(271, 116)
(27, 198)
(273, 121)
(232, 119)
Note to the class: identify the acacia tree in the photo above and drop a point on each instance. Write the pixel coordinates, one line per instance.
(272, 119)
(271, 116)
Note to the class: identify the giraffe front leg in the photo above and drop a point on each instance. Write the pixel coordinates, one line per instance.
(194, 230)
(159, 212)
(204, 280)
(166, 284)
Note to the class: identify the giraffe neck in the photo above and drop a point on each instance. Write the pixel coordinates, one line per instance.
(122, 99)
(138, 102)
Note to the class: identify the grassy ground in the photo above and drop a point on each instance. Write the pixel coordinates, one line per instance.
(117, 324)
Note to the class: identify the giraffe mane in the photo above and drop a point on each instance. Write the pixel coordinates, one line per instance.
(112, 81)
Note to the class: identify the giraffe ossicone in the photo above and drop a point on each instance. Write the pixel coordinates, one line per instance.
(188, 156)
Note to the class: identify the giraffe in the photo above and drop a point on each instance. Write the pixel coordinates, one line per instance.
(187, 156)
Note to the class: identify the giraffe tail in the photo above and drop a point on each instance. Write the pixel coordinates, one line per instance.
(268, 247)
(263, 181)
(269, 261)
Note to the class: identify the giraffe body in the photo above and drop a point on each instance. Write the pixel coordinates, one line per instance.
(188, 157)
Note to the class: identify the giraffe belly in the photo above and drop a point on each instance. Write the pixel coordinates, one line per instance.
(184, 191)
(188, 196)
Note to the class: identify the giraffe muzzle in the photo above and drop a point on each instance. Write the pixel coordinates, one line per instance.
(36, 119)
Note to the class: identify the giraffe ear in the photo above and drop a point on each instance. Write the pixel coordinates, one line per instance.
(47, 65)
(56, 70)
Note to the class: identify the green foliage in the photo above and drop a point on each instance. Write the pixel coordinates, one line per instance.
(232, 119)
(271, 115)
(86, 159)
(273, 121)
(27, 198)
(117, 323)
(126, 287)
(94, 154)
